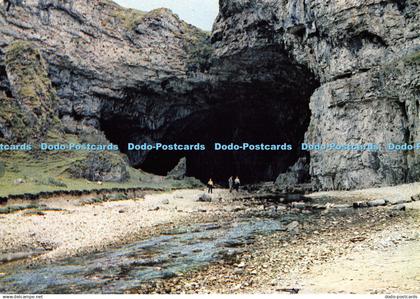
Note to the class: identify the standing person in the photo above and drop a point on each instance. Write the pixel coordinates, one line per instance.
(237, 183)
(7, 4)
(210, 184)
(230, 184)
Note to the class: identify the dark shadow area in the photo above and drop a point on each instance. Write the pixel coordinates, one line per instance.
(265, 104)
(236, 122)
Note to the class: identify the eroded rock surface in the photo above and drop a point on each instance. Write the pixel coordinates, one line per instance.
(104, 167)
(276, 71)
(179, 171)
(366, 57)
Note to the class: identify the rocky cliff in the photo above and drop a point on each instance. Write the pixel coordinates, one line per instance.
(28, 110)
(273, 71)
(365, 55)
(90, 64)
(97, 51)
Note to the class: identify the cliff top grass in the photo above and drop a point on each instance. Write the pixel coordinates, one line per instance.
(128, 17)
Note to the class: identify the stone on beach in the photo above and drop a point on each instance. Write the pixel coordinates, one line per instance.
(293, 228)
(298, 205)
(204, 198)
(376, 203)
(399, 207)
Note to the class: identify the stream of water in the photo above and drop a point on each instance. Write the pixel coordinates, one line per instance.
(119, 269)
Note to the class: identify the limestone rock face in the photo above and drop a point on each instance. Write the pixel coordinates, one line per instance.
(295, 175)
(344, 72)
(150, 77)
(111, 68)
(97, 49)
(366, 57)
(180, 170)
(104, 167)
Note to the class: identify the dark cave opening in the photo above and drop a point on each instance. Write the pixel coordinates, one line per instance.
(270, 106)
(268, 121)
(236, 122)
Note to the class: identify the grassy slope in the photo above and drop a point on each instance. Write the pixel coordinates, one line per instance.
(48, 173)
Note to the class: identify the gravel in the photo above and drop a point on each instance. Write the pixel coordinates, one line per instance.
(80, 229)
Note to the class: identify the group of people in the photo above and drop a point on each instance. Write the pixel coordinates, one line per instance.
(233, 184)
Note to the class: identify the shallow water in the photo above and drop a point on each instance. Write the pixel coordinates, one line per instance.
(116, 270)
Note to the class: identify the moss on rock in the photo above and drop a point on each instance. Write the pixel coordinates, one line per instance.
(31, 112)
(103, 166)
(413, 58)
(129, 18)
(27, 72)
(200, 52)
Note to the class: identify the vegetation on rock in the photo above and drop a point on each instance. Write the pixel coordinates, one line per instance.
(129, 18)
(31, 112)
(103, 166)
(200, 53)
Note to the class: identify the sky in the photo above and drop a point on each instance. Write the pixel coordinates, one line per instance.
(200, 13)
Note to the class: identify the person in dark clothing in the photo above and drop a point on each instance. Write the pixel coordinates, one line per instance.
(210, 184)
(236, 184)
(7, 4)
(230, 181)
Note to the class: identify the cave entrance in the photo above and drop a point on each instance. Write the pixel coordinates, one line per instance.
(237, 122)
(265, 104)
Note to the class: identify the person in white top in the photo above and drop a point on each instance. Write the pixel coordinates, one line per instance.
(237, 183)
(210, 184)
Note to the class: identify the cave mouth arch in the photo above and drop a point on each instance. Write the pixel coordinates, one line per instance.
(237, 122)
(261, 96)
